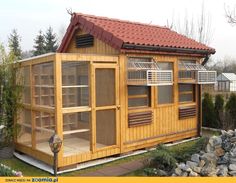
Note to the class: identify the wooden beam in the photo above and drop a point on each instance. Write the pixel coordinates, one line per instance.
(58, 103)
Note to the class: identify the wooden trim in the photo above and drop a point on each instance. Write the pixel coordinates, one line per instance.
(158, 136)
(58, 103)
(137, 96)
(38, 60)
(106, 107)
(48, 159)
(93, 106)
(75, 109)
(123, 103)
(87, 57)
(46, 109)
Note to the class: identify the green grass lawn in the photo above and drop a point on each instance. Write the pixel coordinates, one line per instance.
(29, 170)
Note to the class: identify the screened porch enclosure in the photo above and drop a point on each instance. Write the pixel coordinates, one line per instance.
(75, 96)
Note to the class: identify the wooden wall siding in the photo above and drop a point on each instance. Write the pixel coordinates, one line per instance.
(166, 125)
(99, 47)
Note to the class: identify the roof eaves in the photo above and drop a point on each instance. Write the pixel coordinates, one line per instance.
(128, 46)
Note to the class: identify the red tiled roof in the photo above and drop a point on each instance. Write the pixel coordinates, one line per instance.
(130, 35)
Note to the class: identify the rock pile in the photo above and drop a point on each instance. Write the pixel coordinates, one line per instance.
(218, 159)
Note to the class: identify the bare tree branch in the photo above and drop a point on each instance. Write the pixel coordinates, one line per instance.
(199, 28)
(230, 14)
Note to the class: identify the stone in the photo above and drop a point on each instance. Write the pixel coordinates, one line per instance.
(178, 171)
(195, 158)
(231, 133)
(232, 160)
(209, 148)
(232, 167)
(233, 139)
(219, 151)
(232, 173)
(209, 157)
(215, 141)
(188, 170)
(184, 174)
(222, 161)
(191, 164)
(161, 173)
(208, 170)
(223, 171)
(233, 152)
(183, 166)
(193, 174)
(201, 163)
(226, 145)
(197, 169)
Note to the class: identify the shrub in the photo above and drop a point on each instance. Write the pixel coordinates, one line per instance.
(184, 152)
(219, 110)
(163, 159)
(10, 96)
(231, 107)
(208, 112)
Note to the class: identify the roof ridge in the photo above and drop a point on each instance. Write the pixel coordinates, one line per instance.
(119, 20)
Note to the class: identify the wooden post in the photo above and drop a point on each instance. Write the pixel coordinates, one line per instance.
(33, 135)
(58, 103)
(123, 104)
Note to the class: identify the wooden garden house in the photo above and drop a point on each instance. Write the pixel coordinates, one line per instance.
(113, 86)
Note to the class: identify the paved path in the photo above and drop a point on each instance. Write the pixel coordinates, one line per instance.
(117, 170)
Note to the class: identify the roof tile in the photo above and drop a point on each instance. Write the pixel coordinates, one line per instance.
(109, 29)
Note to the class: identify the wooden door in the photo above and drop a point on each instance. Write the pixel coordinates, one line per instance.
(105, 106)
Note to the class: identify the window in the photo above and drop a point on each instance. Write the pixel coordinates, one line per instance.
(75, 84)
(186, 93)
(165, 93)
(43, 83)
(139, 96)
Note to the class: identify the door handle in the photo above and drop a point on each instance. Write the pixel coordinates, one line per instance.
(118, 107)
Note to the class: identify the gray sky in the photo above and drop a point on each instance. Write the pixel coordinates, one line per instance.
(28, 16)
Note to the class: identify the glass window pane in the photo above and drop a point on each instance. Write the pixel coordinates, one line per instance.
(25, 77)
(105, 87)
(43, 79)
(45, 128)
(186, 93)
(75, 84)
(165, 65)
(24, 128)
(105, 128)
(165, 94)
(139, 96)
(77, 133)
(186, 98)
(138, 90)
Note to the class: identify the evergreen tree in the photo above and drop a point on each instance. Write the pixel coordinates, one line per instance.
(219, 110)
(208, 112)
(50, 41)
(231, 107)
(39, 44)
(14, 44)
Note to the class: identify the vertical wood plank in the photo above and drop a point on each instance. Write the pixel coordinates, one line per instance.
(58, 103)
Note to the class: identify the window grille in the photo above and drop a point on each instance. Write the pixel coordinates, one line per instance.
(148, 73)
(195, 73)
